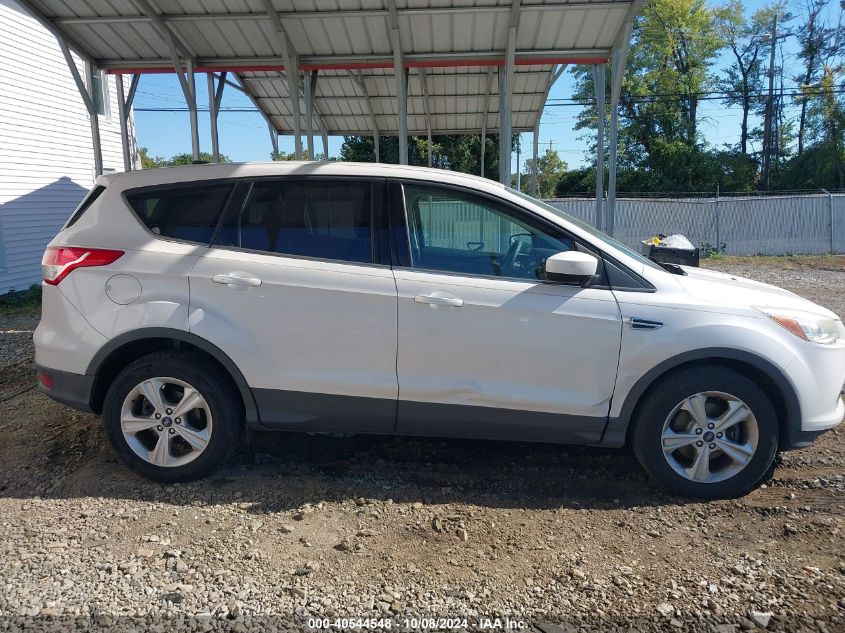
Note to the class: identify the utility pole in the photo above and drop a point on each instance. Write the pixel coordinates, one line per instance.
(769, 113)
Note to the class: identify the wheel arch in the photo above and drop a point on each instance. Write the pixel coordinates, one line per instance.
(127, 347)
(763, 372)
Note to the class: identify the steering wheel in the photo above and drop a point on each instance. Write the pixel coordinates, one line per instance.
(516, 249)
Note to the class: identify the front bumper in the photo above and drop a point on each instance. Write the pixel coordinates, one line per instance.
(72, 390)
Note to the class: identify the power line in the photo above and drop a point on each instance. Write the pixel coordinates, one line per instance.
(712, 96)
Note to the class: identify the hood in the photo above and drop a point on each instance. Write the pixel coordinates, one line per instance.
(732, 291)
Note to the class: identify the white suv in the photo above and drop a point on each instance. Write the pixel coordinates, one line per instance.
(184, 303)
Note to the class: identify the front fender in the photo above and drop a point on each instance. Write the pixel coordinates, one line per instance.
(648, 354)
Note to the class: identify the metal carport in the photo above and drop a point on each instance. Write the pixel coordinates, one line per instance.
(380, 67)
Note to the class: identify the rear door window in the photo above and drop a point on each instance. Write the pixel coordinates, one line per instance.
(324, 219)
(188, 212)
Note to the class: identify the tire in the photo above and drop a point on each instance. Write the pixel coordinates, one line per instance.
(658, 422)
(212, 426)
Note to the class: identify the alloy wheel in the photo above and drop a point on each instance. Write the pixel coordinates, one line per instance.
(166, 422)
(709, 437)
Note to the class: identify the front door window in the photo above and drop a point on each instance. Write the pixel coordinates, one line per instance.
(455, 232)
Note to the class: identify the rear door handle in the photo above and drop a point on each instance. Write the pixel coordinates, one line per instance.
(237, 279)
(439, 298)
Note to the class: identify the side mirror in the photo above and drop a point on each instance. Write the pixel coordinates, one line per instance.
(571, 267)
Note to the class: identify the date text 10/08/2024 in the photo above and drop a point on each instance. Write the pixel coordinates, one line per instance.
(481, 623)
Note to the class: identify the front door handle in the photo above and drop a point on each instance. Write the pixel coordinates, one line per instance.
(237, 279)
(440, 298)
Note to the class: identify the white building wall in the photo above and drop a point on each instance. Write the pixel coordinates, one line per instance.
(46, 156)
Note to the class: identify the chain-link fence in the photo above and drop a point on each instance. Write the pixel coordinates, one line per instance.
(807, 224)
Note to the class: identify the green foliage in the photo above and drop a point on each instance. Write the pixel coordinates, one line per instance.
(550, 169)
(743, 77)
(292, 156)
(673, 59)
(457, 152)
(151, 162)
(709, 251)
(15, 301)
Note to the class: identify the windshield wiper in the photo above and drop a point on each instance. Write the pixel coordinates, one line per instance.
(675, 269)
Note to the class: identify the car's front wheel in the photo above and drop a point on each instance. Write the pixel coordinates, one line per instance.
(707, 432)
(171, 417)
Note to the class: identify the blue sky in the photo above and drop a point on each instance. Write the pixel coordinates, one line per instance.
(244, 135)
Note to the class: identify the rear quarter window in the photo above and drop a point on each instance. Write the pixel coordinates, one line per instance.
(87, 201)
(188, 212)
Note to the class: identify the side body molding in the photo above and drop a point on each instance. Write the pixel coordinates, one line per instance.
(617, 428)
(250, 408)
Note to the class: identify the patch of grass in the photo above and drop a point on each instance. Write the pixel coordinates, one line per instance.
(21, 301)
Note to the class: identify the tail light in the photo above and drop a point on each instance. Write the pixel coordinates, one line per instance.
(59, 261)
(45, 380)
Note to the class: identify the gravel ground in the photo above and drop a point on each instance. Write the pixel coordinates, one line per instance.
(555, 538)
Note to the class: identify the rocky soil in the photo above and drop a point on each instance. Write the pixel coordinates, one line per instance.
(401, 530)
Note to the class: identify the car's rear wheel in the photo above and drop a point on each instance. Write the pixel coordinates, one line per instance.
(707, 432)
(171, 417)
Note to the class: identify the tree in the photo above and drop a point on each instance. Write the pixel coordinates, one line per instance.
(776, 133)
(147, 161)
(151, 162)
(456, 152)
(826, 113)
(281, 156)
(550, 169)
(679, 40)
(813, 42)
(674, 43)
(742, 78)
(188, 159)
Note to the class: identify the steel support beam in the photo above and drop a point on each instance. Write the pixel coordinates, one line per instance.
(87, 94)
(619, 58)
(337, 13)
(325, 134)
(192, 110)
(484, 112)
(95, 121)
(215, 97)
(358, 77)
(599, 81)
(274, 140)
(401, 80)
(133, 88)
(506, 98)
(52, 27)
(293, 95)
(618, 67)
(505, 112)
(401, 96)
(310, 81)
(175, 43)
(122, 116)
(291, 62)
(352, 62)
(427, 109)
(535, 167)
(554, 76)
(167, 31)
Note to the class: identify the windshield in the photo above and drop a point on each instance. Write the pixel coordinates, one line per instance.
(599, 235)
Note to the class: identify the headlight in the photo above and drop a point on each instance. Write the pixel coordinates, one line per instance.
(816, 328)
